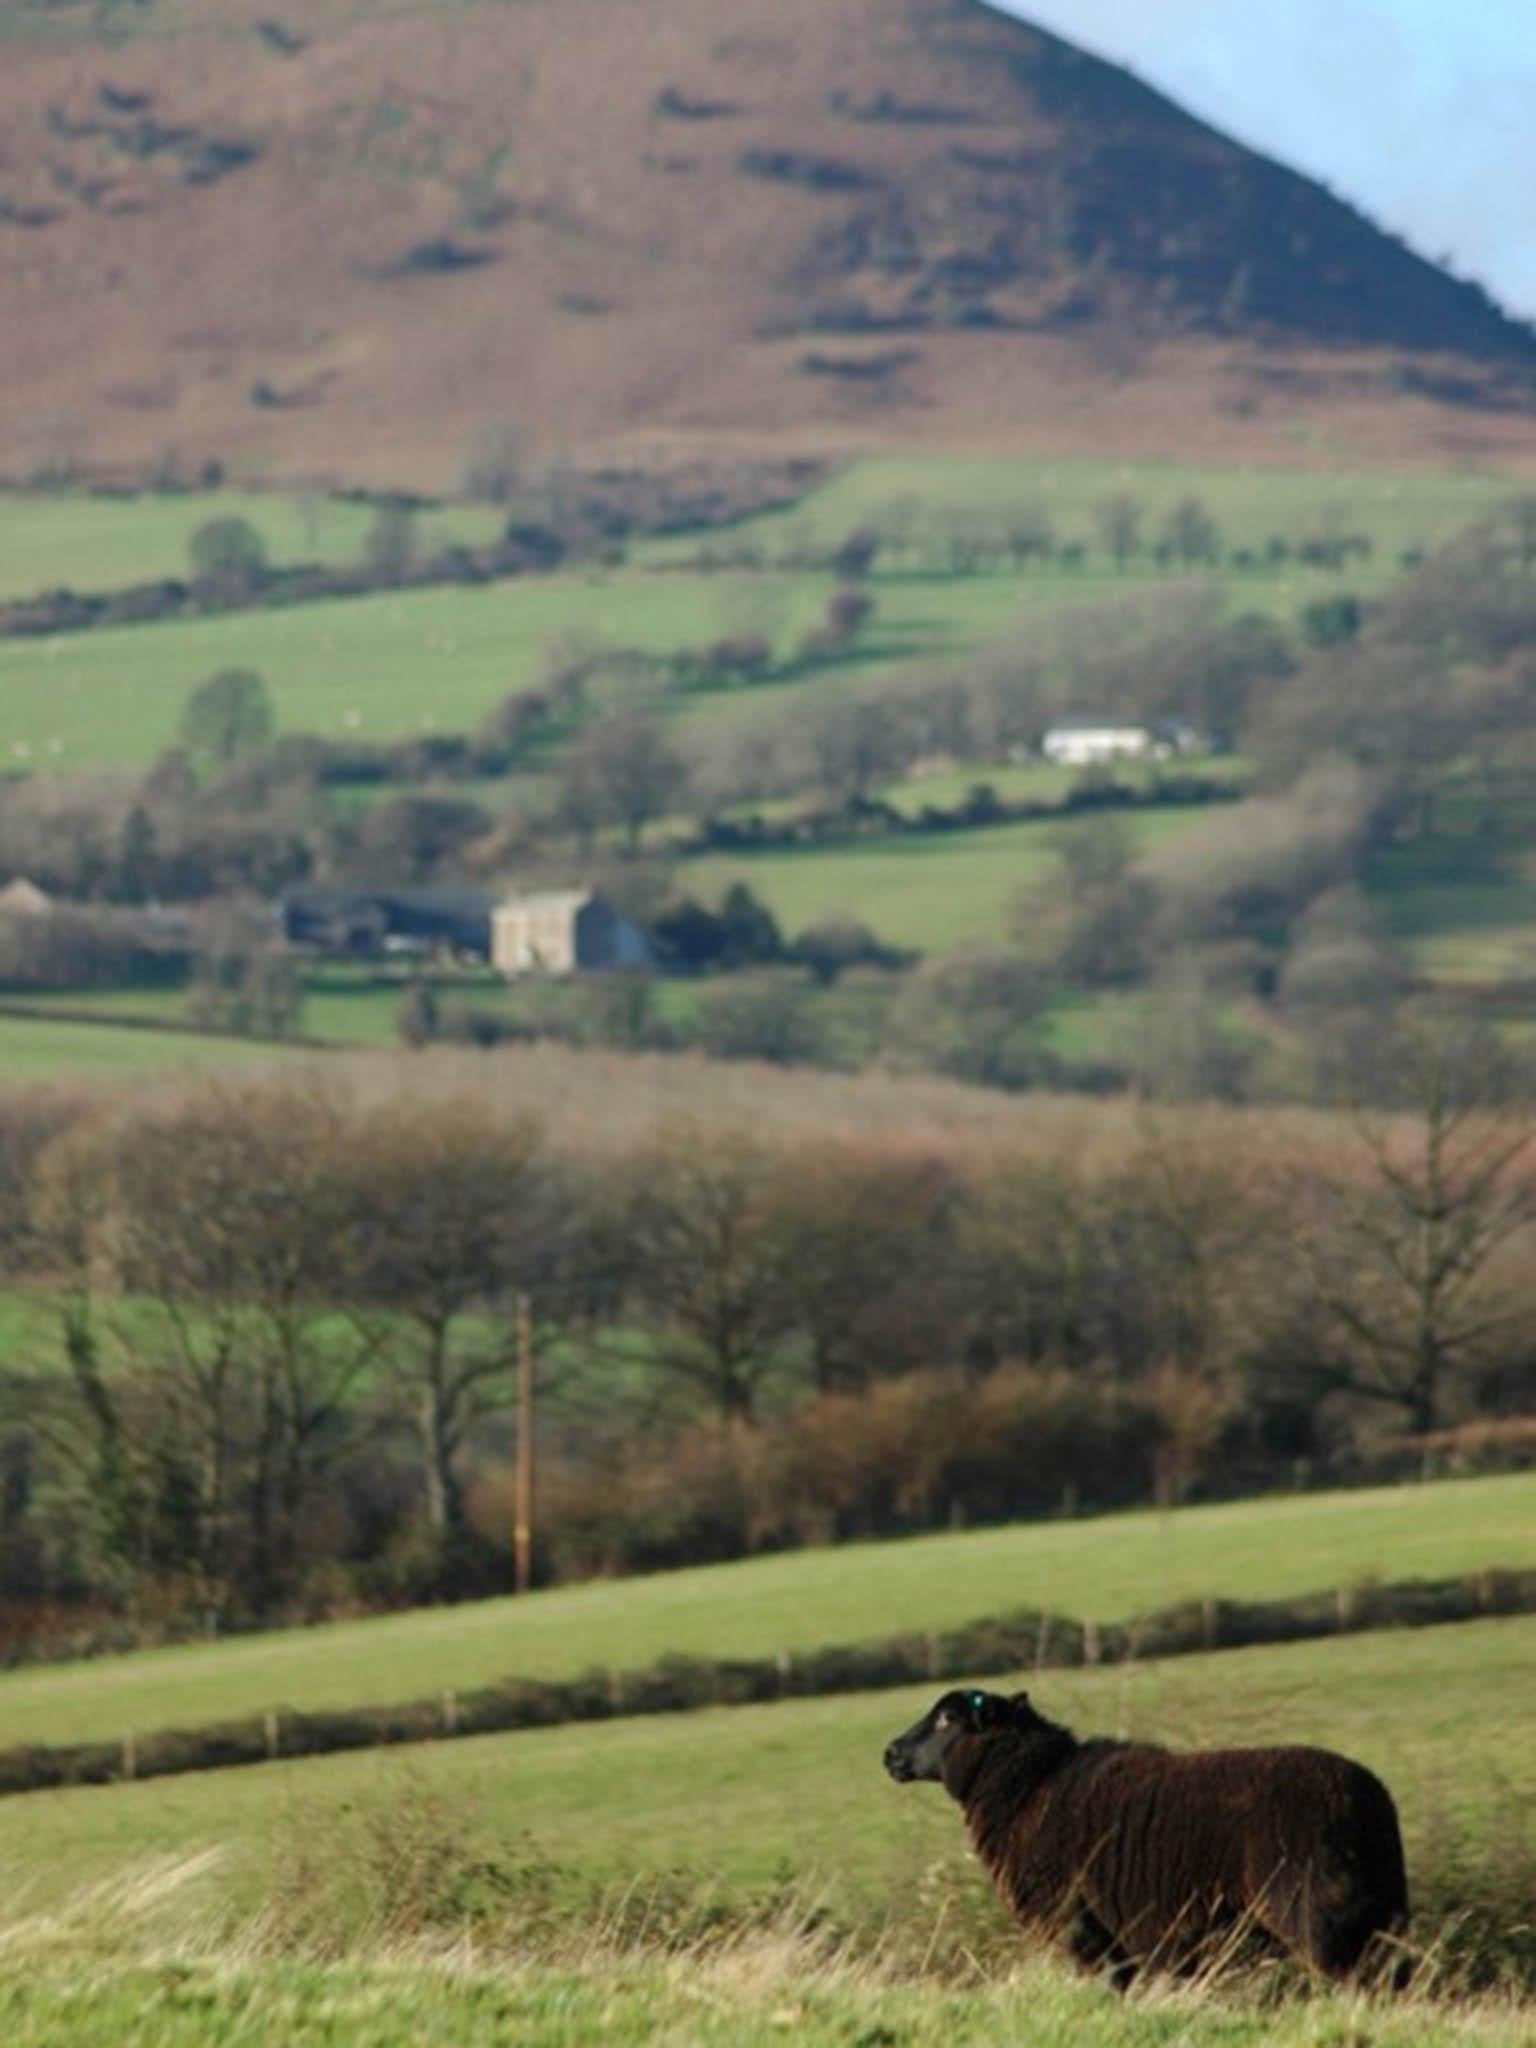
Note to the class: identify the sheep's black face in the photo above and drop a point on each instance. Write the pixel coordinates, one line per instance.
(919, 1754)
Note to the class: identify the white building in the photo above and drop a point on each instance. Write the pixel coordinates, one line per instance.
(564, 931)
(1084, 743)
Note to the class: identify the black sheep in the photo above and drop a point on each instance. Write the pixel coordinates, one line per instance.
(1141, 1857)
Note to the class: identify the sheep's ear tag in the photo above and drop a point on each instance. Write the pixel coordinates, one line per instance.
(978, 1701)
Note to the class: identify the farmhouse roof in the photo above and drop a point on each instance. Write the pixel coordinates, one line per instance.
(552, 900)
(325, 900)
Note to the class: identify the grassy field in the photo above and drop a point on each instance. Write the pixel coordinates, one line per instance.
(82, 543)
(397, 664)
(52, 540)
(1107, 1568)
(750, 1804)
(709, 1792)
(749, 1875)
(1399, 509)
(930, 893)
(389, 666)
(41, 1050)
(756, 1993)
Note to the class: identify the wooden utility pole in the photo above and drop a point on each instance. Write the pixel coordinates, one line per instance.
(522, 1510)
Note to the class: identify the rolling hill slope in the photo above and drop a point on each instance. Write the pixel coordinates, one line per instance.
(348, 239)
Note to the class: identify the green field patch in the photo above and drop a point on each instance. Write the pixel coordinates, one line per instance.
(931, 892)
(56, 542)
(370, 668)
(1108, 1568)
(39, 1049)
(740, 1796)
(1249, 501)
(395, 664)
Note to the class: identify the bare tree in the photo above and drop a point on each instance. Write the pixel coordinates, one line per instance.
(449, 1208)
(1119, 523)
(711, 1263)
(623, 771)
(203, 1243)
(975, 1013)
(1191, 535)
(494, 467)
(1408, 1248)
(855, 744)
(389, 546)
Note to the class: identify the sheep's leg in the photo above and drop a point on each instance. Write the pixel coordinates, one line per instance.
(1094, 1948)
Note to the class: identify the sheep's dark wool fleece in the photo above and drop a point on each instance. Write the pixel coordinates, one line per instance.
(1138, 1856)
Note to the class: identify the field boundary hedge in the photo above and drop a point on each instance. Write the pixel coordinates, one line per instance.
(1026, 1640)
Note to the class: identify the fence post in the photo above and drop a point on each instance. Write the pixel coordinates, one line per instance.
(270, 1732)
(450, 1712)
(1090, 1642)
(130, 1758)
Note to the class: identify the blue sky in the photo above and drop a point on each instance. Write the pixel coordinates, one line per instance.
(1423, 112)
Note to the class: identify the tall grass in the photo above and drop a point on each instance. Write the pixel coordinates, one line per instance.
(406, 1926)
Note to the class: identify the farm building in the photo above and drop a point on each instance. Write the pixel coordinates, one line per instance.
(564, 931)
(366, 923)
(1083, 743)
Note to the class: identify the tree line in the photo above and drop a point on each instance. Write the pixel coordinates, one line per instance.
(271, 1325)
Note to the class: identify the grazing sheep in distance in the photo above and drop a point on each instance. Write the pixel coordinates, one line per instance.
(1140, 1857)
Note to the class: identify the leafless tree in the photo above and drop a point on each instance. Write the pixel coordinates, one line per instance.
(494, 467)
(1119, 523)
(449, 1209)
(712, 1263)
(1410, 1249)
(623, 771)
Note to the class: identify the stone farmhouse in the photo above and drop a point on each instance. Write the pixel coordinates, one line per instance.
(559, 931)
(565, 931)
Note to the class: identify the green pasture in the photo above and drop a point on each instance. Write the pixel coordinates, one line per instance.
(69, 541)
(338, 1009)
(742, 1797)
(932, 893)
(38, 1049)
(373, 668)
(1107, 1568)
(394, 664)
(1249, 501)
(52, 540)
(389, 666)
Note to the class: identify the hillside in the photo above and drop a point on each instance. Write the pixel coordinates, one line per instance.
(350, 240)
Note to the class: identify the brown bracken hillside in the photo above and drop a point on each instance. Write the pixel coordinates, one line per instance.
(342, 239)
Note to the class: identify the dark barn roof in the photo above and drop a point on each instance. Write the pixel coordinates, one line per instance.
(457, 917)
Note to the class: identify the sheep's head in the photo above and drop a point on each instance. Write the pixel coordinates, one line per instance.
(919, 1754)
